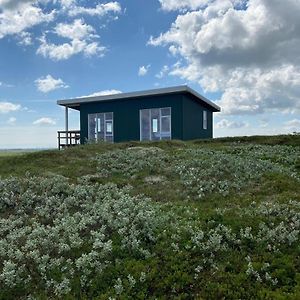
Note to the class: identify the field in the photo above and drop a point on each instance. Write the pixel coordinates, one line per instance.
(215, 219)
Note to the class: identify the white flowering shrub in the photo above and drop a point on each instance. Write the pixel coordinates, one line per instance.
(53, 232)
(205, 171)
(102, 241)
(282, 154)
(131, 161)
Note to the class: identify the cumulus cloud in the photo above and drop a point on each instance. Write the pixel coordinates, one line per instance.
(66, 3)
(165, 69)
(7, 107)
(100, 10)
(48, 83)
(25, 38)
(14, 4)
(247, 50)
(143, 70)
(224, 123)
(169, 5)
(44, 121)
(18, 16)
(103, 93)
(82, 40)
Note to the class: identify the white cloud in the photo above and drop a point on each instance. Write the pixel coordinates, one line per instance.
(162, 72)
(224, 123)
(11, 121)
(48, 84)
(67, 3)
(18, 16)
(6, 85)
(249, 55)
(78, 30)
(7, 107)
(44, 121)
(25, 38)
(100, 10)
(169, 5)
(293, 125)
(103, 93)
(143, 70)
(14, 4)
(81, 38)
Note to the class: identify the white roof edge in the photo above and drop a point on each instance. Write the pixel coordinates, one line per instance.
(182, 88)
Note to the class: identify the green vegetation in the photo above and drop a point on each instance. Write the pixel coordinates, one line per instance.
(168, 220)
(6, 153)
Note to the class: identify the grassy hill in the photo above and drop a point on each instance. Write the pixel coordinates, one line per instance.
(213, 219)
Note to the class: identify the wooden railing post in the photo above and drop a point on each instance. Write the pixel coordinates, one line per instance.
(67, 125)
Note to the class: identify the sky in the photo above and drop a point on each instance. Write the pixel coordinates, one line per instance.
(241, 54)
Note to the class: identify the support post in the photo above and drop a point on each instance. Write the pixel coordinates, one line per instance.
(67, 126)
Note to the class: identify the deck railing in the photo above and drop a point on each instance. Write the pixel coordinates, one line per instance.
(68, 138)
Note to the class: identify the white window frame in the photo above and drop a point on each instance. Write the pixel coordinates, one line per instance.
(159, 118)
(205, 119)
(102, 115)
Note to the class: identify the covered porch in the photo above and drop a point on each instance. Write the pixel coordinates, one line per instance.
(68, 137)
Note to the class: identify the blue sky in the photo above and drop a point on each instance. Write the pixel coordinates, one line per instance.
(232, 51)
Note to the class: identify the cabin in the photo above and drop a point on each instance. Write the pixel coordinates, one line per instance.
(153, 115)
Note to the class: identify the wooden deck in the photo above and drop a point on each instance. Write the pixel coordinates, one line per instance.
(67, 139)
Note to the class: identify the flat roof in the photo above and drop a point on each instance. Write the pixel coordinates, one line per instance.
(75, 102)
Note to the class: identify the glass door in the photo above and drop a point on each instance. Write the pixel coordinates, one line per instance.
(101, 127)
(155, 124)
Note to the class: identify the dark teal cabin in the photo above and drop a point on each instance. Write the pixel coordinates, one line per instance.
(161, 114)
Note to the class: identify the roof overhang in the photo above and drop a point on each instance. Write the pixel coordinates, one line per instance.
(76, 102)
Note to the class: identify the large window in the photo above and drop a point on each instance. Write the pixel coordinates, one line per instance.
(155, 124)
(204, 119)
(101, 127)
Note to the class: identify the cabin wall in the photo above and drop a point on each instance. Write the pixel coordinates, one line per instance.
(127, 115)
(193, 119)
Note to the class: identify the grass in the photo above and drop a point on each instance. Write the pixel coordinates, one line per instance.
(76, 162)
(270, 200)
(6, 153)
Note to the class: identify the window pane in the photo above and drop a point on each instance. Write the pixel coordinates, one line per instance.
(165, 124)
(155, 124)
(165, 111)
(108, 116)
(100, 128)
(145, 124)
(92, 126)
(99, 124)
(204, 119)
(110, 139)
(109, 128)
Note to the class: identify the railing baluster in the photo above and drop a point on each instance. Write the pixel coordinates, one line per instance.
(68, 138)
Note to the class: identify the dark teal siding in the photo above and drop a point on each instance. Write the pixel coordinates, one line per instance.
(127, 118)
(193, 119)
(186, 110)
